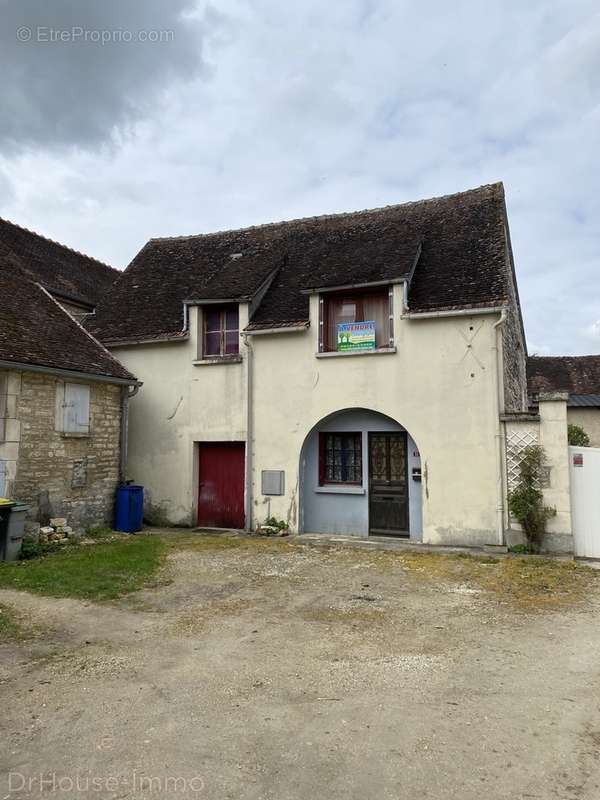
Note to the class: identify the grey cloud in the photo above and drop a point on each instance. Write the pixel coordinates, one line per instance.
(77, 92)
(315, 108)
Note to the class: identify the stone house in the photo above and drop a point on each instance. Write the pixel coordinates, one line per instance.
(63, 403)
(579, 376)
(351, 373)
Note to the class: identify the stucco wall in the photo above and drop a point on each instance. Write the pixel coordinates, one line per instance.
(326, 509)
(42, 469)
(440, 384)
(181, 402)
(589, 419)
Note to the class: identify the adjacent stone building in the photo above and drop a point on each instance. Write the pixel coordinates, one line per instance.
(63, 403)
(579, 376)
(78, 282)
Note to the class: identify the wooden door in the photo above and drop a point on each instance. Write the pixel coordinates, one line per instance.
(221, 489)
(388, 484)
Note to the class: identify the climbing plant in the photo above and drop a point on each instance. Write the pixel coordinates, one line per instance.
(526, 500)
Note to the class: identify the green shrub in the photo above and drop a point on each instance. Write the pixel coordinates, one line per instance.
(526, 501)
(577, 436)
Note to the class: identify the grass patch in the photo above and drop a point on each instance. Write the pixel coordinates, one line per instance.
(99, 532)
(102, 571)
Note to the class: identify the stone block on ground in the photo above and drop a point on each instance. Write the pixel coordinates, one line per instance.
(31, 531)
(57, 522)
(46, 530)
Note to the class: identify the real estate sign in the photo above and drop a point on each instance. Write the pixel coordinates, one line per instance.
(356, 336)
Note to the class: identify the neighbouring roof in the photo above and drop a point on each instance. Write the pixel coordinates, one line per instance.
(578, 375)
(458, 242)
(63, 272)
(35, 330)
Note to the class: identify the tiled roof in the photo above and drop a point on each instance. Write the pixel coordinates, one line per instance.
(458, 242)
(62, 271)
(578, 375)
(35, 330)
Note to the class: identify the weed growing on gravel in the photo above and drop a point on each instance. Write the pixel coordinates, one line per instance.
(219, 542)
(527, 582)
(9, 625)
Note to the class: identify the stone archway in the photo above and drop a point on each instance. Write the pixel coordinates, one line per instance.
(338, 498)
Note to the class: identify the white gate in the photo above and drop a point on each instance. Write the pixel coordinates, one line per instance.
(584, 466)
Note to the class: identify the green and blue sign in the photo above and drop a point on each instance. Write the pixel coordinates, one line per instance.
(356, 336)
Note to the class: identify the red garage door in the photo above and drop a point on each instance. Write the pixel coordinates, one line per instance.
(221, 491)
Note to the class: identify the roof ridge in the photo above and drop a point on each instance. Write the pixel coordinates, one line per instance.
(564, 358)
(335, 215)
(59, 244)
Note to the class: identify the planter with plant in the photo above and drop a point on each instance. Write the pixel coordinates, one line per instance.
(526, 500)
(273, 527)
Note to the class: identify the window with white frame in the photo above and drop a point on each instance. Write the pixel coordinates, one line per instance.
(76, 408)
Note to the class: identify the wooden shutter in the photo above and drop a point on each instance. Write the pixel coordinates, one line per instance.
(77, 408)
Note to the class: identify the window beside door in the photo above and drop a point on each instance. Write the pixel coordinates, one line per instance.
(221, 332)
(360, 306)
(340, 459)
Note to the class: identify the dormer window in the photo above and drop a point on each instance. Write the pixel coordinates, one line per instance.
(221, 332)
(356, 320)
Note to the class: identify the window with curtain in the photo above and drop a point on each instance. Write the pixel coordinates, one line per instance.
(366, 306)
(340, 458)
(221, 332)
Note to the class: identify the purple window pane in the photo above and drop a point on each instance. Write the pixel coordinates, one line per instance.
(213, 320)
(212, 344)
(231, 320)
(232, 342)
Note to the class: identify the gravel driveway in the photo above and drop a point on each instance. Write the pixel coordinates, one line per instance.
(285, 671)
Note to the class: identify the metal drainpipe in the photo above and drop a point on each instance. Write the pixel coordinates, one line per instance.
(249, 417)
(126, 393)
(499, 404)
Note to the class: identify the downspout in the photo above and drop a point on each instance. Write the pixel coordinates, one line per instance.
(249, 418)
(126, 393)
(499, 408)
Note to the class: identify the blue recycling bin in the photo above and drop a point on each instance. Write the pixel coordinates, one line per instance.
(129, 510)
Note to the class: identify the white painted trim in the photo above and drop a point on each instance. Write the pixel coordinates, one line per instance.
(205, 362)
(290, 329)
(331, 489)
(380, 351)
(457, 312)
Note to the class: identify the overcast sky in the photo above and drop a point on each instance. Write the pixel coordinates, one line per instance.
(249, 112)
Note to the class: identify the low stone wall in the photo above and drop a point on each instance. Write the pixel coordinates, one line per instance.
(60, 474)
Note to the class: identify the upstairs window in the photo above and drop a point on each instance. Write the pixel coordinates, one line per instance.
(221, 332)
(340, 311)
(340, 458)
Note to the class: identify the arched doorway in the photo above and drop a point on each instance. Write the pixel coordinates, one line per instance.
(360, 474)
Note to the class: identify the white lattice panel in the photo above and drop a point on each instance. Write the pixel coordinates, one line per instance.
(517, 439)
